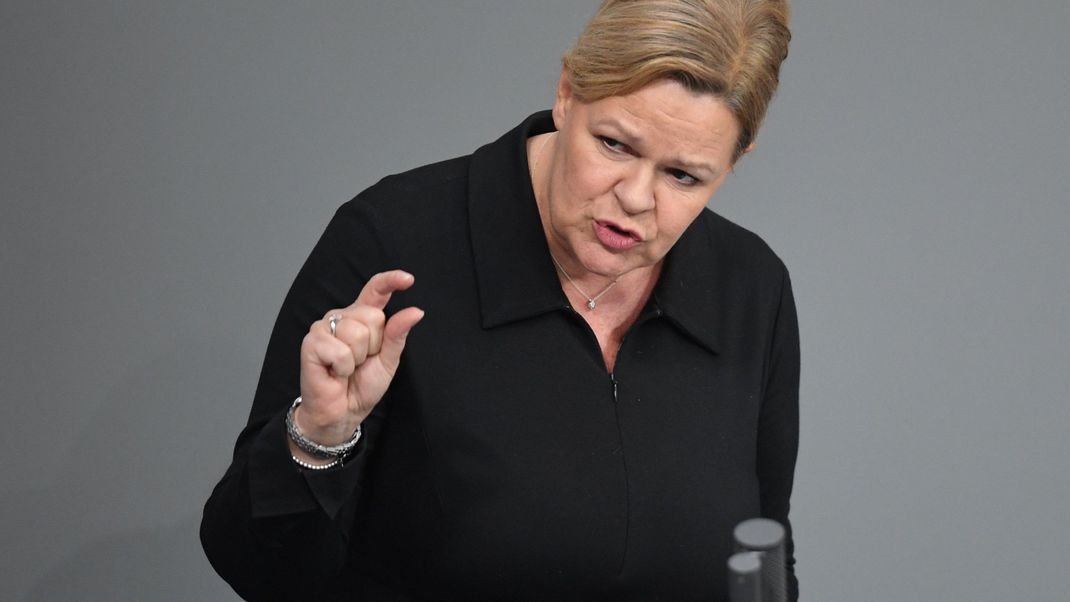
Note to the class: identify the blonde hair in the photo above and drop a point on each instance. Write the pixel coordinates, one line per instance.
(729, 48)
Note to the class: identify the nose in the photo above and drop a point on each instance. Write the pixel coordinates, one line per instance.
(635, 190)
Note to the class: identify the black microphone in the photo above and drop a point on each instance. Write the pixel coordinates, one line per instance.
(765, 537)
(745, 577)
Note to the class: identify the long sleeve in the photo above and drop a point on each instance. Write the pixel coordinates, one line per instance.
(271, 529)
(511, 465)
(778, 437)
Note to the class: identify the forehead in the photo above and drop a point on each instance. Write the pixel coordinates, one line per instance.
(665, 118)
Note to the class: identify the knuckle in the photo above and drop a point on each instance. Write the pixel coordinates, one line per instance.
(341, 354)
(360, 334)
(371, 317)
(347, 330)
(377, 318)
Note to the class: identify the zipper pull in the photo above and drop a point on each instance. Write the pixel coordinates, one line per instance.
(613, 380)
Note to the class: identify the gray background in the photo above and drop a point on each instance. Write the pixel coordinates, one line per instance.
(166, 167)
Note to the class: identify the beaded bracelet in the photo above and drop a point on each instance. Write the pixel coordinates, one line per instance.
(317, 450)
(308, 466)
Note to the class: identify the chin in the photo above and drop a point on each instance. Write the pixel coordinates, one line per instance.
(608, 263)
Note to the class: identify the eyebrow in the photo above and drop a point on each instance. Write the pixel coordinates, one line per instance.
(635, 138)
(696, 165)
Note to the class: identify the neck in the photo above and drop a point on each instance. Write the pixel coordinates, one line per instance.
(539, 177)
(628, 289)
(626, 293)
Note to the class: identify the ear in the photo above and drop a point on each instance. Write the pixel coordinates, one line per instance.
(563, 100)
(745, 152)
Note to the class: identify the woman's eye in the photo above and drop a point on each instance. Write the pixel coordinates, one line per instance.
(611, 144)
(683, 177)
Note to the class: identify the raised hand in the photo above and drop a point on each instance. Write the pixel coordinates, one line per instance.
(345, 374)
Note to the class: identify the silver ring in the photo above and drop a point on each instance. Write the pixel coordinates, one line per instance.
(334, 323)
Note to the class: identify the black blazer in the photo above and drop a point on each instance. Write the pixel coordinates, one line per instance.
(505, 462)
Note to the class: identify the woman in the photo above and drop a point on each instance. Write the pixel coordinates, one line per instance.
(604, 377)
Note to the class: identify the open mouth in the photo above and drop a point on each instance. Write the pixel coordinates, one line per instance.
(614, 228)
(615, 237)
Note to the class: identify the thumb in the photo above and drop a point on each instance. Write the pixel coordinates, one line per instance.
(394, 334)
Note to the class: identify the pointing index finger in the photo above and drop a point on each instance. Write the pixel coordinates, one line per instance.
(376, 293)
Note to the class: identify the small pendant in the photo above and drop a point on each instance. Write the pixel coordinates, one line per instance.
(590, 304)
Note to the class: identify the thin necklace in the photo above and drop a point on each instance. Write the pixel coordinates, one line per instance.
(538, 157)
(591, 301)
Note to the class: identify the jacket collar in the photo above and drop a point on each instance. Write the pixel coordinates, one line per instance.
(514, 273)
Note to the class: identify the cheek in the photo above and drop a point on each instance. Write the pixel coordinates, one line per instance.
(590, 175)
(675, 214)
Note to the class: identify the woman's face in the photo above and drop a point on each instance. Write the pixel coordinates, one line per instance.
(630, 173)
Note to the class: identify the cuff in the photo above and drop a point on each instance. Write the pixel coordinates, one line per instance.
(278, 487)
